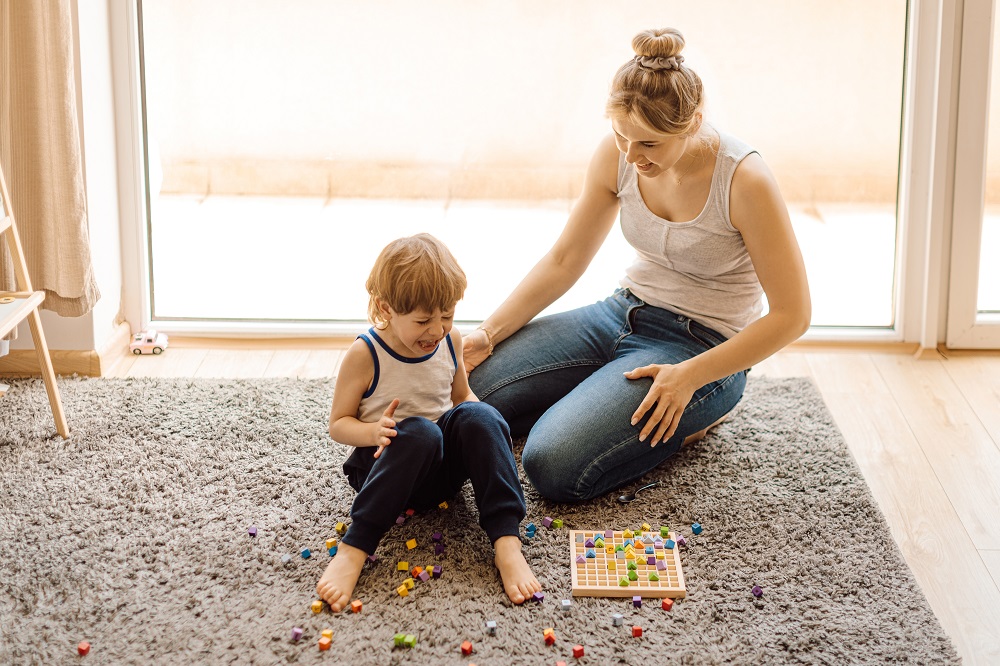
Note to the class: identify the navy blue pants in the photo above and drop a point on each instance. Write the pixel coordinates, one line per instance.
(428, 462)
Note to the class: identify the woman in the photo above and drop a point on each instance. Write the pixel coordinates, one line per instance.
(607, 392)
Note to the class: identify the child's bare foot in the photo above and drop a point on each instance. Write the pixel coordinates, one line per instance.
(337, 583)
(518, 581)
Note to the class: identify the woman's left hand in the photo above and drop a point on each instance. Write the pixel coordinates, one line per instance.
(665, 401)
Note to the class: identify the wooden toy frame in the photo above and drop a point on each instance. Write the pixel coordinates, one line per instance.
(594, 579)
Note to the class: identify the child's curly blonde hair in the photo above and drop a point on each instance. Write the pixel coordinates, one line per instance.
(414, 273)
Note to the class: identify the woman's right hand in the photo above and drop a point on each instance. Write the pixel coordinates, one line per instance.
(475, 349)
(385, 428)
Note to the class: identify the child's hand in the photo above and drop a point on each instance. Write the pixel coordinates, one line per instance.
(385, 428)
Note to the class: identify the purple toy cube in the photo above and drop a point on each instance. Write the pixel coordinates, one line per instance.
(537, 596)
(589, 543)
(252, 531)
(637, 601)
(681, 541)
(580, 559)
(651, 559)
(661, 565)
(436, 537)
(296, 633)
(424, 576)
(757, 591)
(401, 520)
(372, 559)
(436, 571)
(439, 549)
(609, 534)
(546, 522)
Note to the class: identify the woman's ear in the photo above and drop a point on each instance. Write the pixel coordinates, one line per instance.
(696, 125)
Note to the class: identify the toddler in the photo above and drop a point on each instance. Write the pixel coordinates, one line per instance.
(402, 399)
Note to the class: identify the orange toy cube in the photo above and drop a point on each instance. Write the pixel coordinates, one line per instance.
(356, 606)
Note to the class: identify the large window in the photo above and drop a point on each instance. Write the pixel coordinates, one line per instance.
(288, 142)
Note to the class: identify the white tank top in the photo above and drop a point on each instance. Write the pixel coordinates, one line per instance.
(700, 269)
(423, 385)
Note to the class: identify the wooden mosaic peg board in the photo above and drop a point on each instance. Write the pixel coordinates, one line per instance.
(593, 578)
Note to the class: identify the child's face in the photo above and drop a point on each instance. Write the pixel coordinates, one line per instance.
(419, 332)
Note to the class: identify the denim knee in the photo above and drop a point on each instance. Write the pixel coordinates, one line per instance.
(546, 469)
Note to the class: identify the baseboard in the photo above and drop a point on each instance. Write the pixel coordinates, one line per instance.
(85, 362)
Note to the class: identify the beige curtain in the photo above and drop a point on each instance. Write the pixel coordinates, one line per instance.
(41, 154)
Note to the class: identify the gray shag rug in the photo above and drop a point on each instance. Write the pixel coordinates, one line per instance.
(132, 535)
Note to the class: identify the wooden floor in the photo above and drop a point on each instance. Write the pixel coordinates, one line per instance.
(926, 434)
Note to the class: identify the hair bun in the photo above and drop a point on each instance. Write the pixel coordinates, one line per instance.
(659, 43)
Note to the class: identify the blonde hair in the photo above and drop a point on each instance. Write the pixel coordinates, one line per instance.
(655, 88)
(414, 273)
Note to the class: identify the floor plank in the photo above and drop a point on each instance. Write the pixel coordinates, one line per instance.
(992, 560)
(978, 378)
(961, 453)
(917, 507)
(304, 363)
(171, 363)
(234, 363)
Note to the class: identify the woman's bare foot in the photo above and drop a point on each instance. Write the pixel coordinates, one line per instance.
(700, 435)
(518, 581)
(337, 583)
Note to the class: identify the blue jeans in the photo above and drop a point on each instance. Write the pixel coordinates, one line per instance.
(429, 462)
(559, 380)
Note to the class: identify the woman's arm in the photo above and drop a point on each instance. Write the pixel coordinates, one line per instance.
(460, 389)
(587, 227)
(355, 377)
(759, 213)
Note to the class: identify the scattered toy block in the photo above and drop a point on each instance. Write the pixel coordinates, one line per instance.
(550, 639)
(560, 663)
(402, 590)
(538, 596)
(681, 541)
(416, 571)
(410, 640)
(403, 566)
(667, 604)
(296, 633)
(530, 527)
(439, 549)
(491, 627)
(636, 631)
(333, 551)
(340, 527)
(409, 513)
(566, 604)
(466, 647)
(696, 528)
(669, 544)
(557, 523)
(371, 559)
(306, 553)
(757, 591)
(330, 543)
(437, 537)
(436, 571)
(577, 651)
(325, 643)
(424, 576)
(397, 640)
(401, 519)
(548, 631)
(443, 505)
(664, 531)
(409, 583)
(252, 531)
(327, 633)
(411, 544)
(546, 522)
(317, 606)
(83, 648)
(617, 619)
(637, 601)
(356, 606)
(286, 558)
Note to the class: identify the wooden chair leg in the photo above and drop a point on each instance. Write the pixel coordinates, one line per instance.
(48, 374)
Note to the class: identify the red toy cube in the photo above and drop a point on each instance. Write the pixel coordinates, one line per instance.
(577, 651)
(636, 631)
(83, 648)
(667, 604)
(467, 648)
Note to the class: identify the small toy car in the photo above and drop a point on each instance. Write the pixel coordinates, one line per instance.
(148, 342)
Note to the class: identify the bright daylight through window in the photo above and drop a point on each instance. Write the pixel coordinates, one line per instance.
(288, 142)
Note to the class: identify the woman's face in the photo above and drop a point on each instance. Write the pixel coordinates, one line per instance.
(652, 153)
